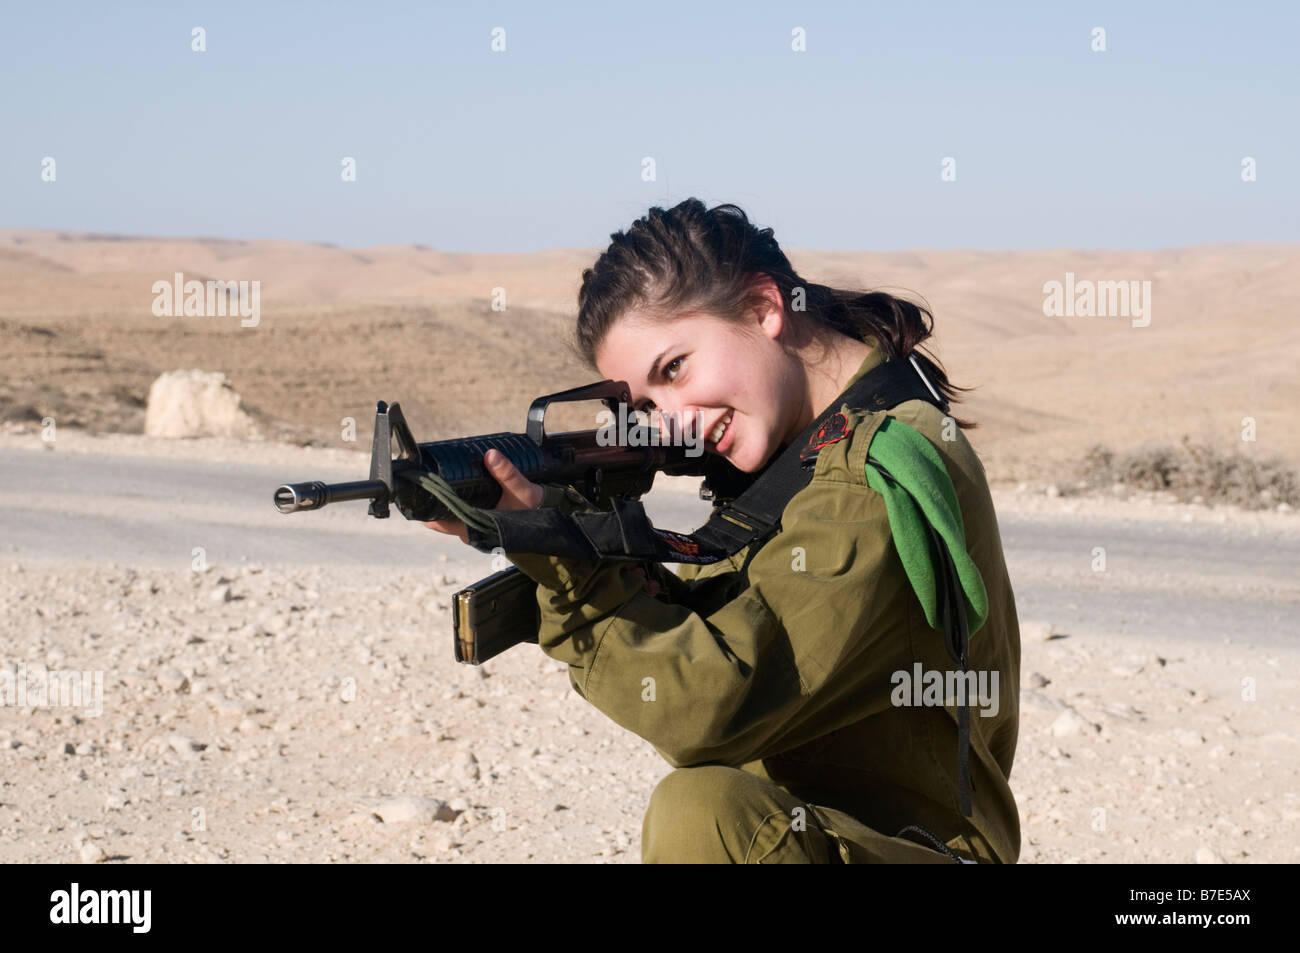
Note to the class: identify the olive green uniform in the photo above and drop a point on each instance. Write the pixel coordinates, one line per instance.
(770, 689)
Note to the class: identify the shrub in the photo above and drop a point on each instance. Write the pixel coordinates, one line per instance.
(1192, 470)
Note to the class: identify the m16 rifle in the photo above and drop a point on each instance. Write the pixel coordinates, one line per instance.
(448, 478)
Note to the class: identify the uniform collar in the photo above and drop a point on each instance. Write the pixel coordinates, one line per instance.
(873, 360)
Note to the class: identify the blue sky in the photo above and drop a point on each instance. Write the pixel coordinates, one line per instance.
(541, 145)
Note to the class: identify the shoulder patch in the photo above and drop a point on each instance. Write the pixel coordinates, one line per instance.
(679, 542)
(836, 428)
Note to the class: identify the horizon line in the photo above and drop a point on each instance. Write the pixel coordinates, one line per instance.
(69, 234)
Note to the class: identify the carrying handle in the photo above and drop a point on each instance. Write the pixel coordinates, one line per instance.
(611, 392)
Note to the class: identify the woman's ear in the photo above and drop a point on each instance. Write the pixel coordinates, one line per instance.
(771, 314)
(771, 320)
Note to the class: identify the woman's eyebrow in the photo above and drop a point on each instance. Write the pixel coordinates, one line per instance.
(653, 372)
(654, 366)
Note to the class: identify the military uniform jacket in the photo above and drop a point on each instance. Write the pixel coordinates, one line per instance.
(783, 662)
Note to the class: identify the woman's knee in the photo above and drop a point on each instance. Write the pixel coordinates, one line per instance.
(718, 814)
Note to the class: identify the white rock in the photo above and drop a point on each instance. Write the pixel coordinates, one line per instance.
(183, 746)
(402, 810)
(91, 853)
(1124, 710)
(142, 587)
(1035, 631)
(468, 767)
(273, 623)
(227, 707)
(1039, 701)
(1070, 723)
(196, 403)
(1206, 856)
(172, 680)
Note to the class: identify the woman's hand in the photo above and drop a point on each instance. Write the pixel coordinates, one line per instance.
(517, 493)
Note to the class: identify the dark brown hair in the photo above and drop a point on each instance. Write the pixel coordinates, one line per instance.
(693, 259)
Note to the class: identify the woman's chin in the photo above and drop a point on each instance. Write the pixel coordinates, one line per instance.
(745, 465)
(743, 461)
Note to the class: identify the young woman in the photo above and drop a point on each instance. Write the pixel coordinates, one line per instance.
(771, 680)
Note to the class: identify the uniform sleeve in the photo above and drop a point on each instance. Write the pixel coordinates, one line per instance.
(723, 682)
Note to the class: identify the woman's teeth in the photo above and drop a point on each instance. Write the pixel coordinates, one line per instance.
(720, 429)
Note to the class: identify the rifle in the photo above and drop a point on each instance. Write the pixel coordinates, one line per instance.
(428, 481)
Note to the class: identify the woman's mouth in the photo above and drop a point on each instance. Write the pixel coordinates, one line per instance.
(722, 432)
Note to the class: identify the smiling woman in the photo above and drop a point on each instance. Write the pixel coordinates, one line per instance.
(705, 318)
(768, 679)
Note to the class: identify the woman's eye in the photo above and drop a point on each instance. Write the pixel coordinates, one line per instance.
(649, 405)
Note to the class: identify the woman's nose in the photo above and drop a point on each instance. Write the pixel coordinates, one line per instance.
(664, 420)
(676, 423)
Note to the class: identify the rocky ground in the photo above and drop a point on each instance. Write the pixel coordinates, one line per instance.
(253, 713)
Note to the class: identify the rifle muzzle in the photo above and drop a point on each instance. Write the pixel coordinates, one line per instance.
(296, 497)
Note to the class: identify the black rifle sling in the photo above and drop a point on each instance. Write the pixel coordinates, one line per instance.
(625, 532)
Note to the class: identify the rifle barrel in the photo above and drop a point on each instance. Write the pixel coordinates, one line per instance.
(296, 497)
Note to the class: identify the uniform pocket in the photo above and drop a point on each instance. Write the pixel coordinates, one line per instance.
(856, 843)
